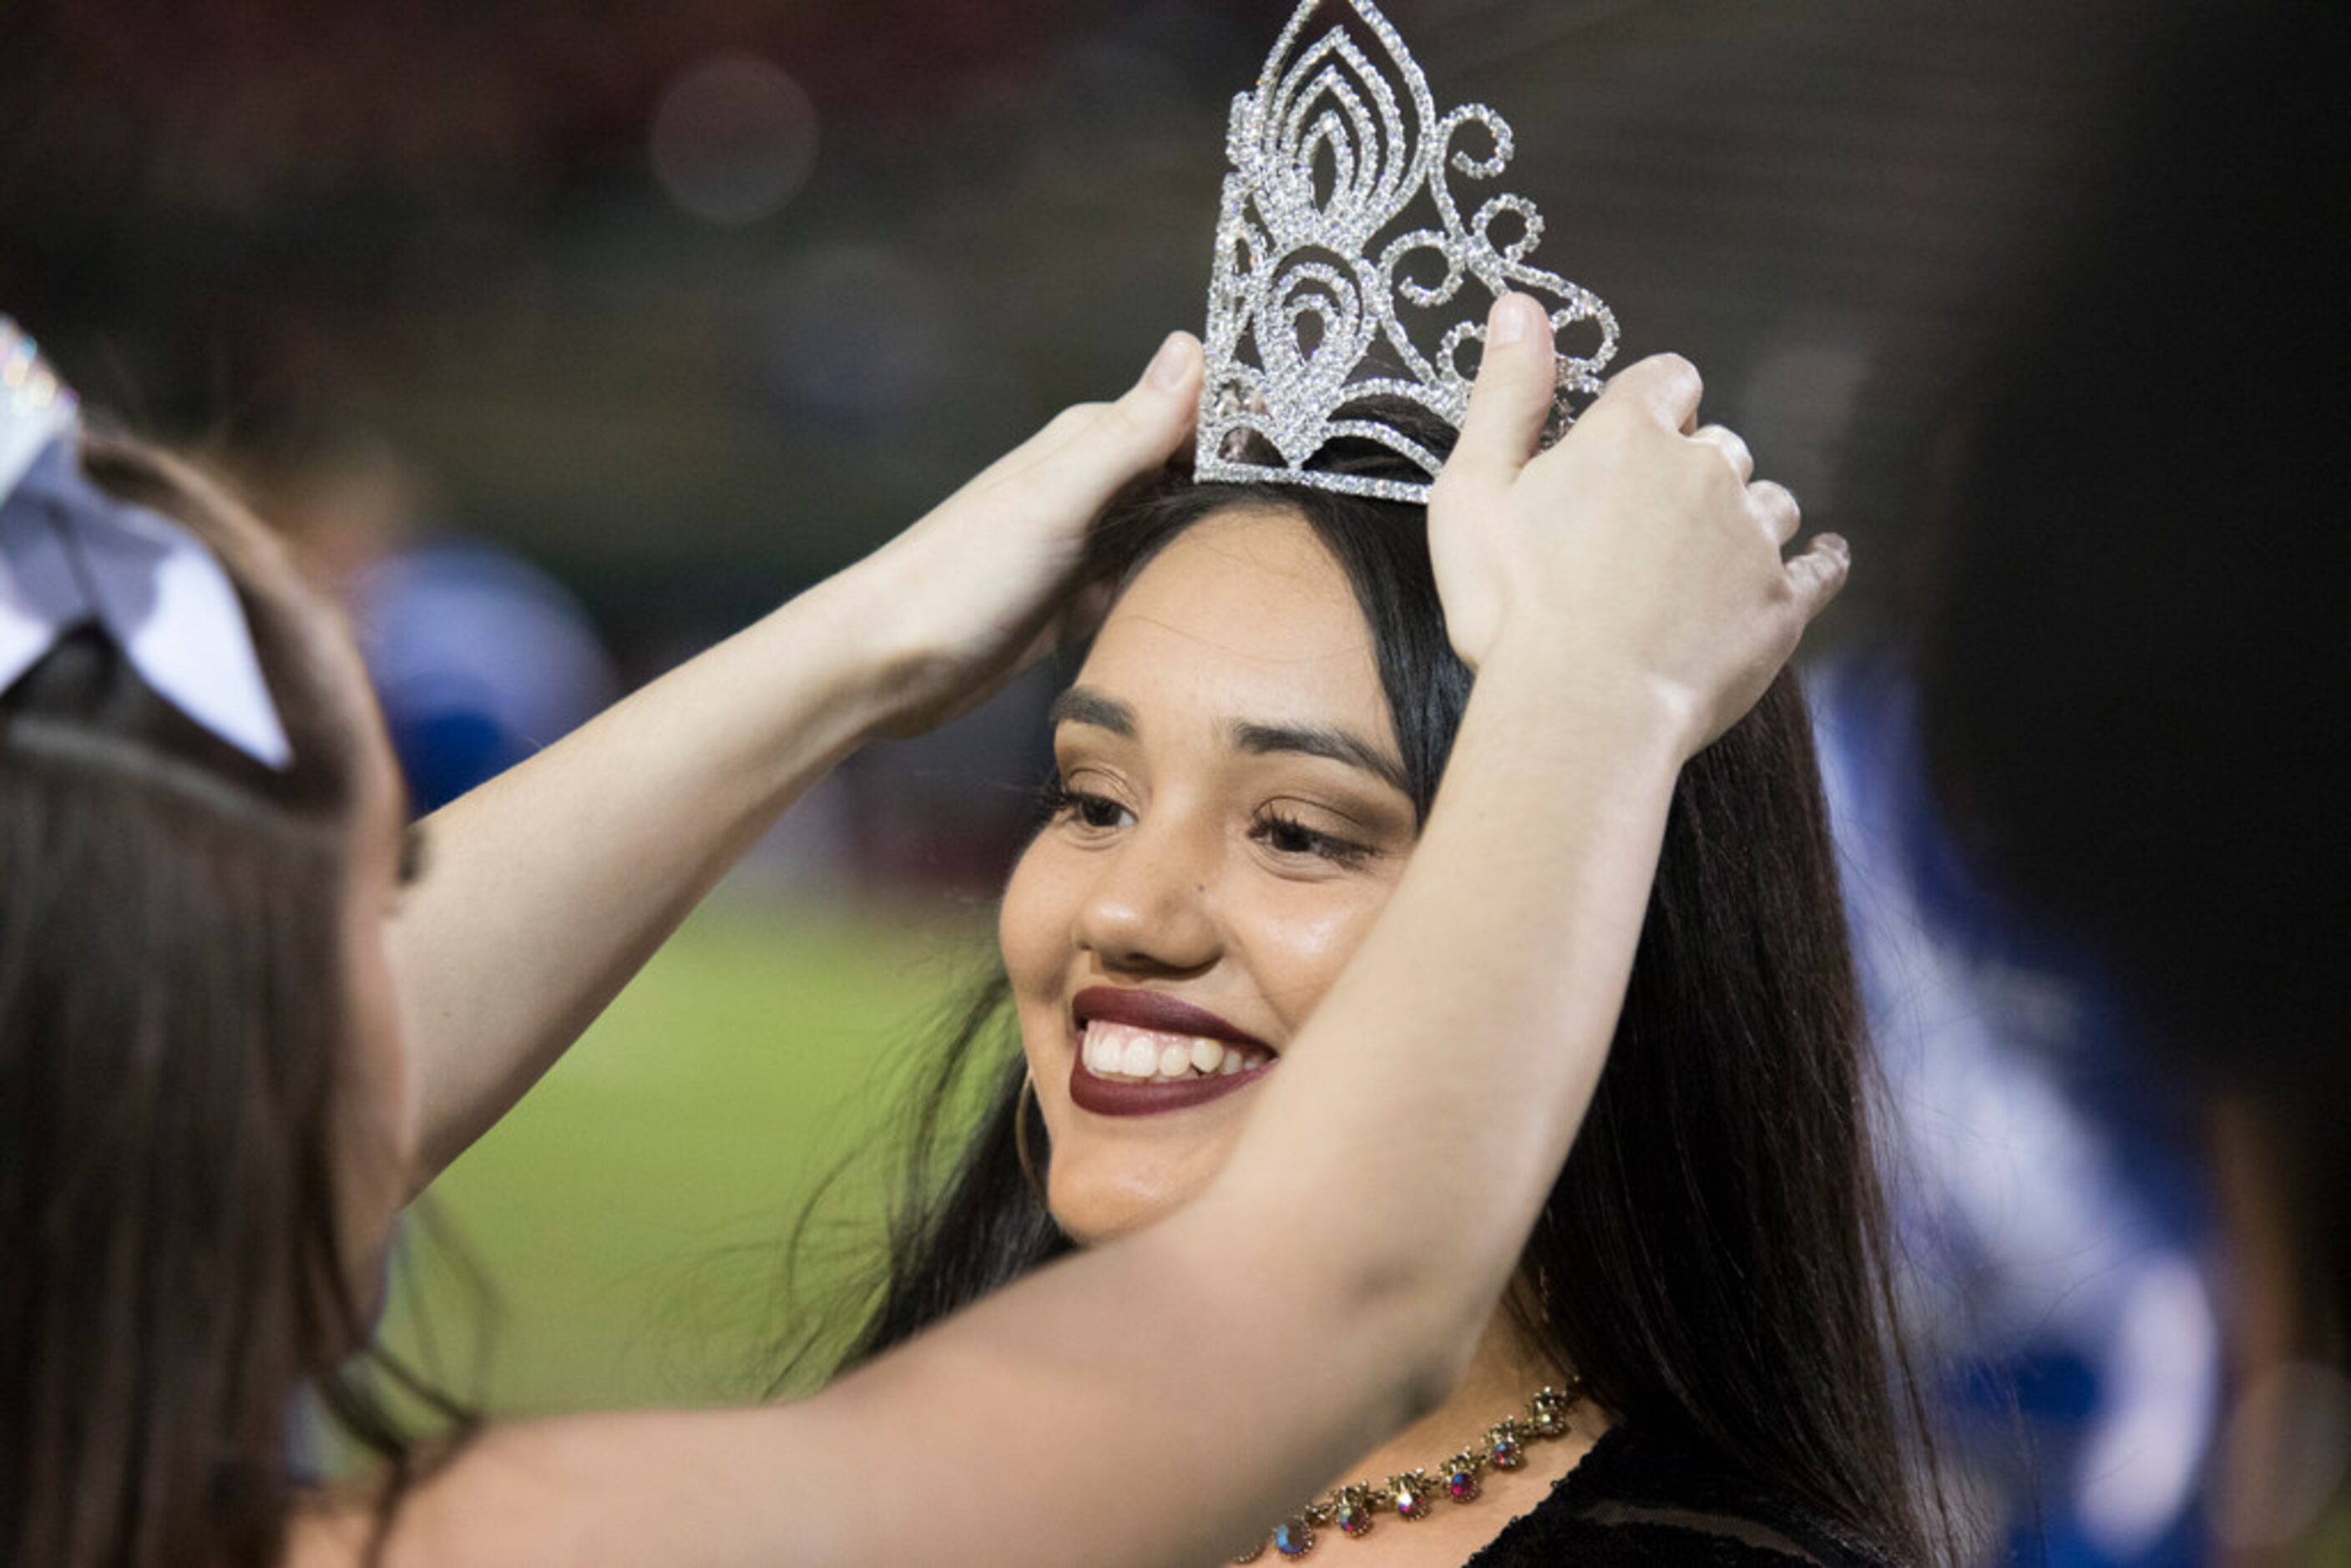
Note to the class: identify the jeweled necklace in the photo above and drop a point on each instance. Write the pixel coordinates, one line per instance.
(1411, 1495)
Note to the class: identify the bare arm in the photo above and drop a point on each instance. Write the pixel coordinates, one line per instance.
(549, 887)
(1158, 1400)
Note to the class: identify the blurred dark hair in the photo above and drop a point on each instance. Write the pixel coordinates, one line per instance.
(1714, 1260)
(175, 1083)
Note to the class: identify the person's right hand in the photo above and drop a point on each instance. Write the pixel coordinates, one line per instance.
(1639, 554)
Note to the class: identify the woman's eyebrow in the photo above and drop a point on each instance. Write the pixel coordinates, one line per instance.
(1321, 740)
(1081, 704)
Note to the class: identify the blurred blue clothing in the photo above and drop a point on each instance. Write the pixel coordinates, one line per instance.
(479, 659)
(2042, 1182)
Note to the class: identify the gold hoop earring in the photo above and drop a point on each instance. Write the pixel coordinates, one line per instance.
(1020, 1105)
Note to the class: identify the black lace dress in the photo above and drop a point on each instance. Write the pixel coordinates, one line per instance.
(1640, 1498)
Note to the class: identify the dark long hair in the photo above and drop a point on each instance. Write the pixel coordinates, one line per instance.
(1714, 1259)
(174, 1088)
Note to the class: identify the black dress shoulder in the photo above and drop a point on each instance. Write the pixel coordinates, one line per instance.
(1638, 1497)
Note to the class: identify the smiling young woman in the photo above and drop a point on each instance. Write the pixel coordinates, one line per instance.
(1245, 770)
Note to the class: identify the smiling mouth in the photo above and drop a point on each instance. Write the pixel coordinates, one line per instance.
(1143, 1053)
(1124, 1052)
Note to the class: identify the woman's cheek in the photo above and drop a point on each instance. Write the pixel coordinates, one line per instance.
(1306, 942)
(1032, 925)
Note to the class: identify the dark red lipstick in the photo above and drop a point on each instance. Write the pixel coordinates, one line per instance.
(1166, 1015)
(1151, 1009)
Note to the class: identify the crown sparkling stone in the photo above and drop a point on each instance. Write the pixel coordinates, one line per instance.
(1305, 288)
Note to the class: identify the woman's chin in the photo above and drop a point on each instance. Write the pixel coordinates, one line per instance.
(1092, 1224)
(1116, 1172)
(1091, 1214)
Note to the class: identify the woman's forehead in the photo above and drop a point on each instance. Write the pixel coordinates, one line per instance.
(1239, 559)
(1246, 614)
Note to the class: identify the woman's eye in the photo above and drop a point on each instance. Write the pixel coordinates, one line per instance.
(1288, 836)
(1084, 808)
(1290, 839)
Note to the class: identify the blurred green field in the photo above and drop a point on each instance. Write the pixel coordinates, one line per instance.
(618, 1238)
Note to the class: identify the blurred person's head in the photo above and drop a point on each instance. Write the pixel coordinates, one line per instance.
(206, 1127)
(1244, 763)
(2131, 654)
(2131, 669)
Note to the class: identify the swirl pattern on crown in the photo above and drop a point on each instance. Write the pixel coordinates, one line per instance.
(1302, 318)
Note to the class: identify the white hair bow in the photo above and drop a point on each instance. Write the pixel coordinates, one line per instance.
(72, 556)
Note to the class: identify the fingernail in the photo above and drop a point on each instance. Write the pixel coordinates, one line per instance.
(1168, 365)
(1513, 318)
(1836, 542)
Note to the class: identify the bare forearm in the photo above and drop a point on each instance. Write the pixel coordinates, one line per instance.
(1152, 1403)
(1505, 951)
(549, 886)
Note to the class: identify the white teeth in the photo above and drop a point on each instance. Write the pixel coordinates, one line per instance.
(1122, 1050)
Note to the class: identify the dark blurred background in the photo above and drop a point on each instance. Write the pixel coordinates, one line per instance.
(569, 337)
(693, 302)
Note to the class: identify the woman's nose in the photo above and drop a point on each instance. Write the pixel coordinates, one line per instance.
(1150, 908)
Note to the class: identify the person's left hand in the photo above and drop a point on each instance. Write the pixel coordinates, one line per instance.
(969, 595)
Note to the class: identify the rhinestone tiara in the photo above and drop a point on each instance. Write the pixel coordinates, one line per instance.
(1287, 255)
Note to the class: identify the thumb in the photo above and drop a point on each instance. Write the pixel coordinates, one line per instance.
(1513, 395)
(1162, 407)
(1090, 450)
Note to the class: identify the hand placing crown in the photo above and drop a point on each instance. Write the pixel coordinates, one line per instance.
(1303, 331)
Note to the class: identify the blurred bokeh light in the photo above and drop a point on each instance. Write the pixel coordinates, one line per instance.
(733, 139)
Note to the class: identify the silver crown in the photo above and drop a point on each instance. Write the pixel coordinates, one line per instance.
(1287, 255)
